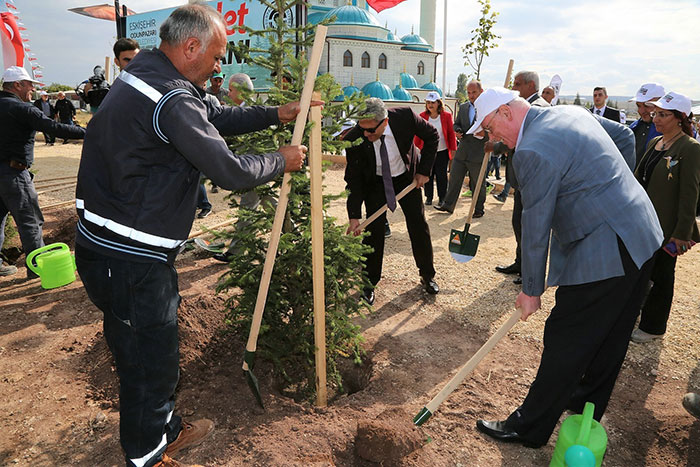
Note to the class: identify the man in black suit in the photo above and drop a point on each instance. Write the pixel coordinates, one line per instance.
(600, 97)
(382, 165)
(527, 83)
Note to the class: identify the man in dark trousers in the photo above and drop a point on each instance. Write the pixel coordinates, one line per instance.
(604, 233)
(44, 104)
(601, 108)
(19, 122)
(65, 111)
(468, 157)
(377, 170)
(136, 197)
(527, 83)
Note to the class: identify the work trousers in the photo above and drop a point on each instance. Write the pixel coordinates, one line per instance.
(417, 226)
(585, 342)
(18, 197)
(139, 302)
(657, 308)
(439, 175)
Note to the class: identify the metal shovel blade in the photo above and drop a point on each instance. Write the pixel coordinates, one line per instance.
(249, 359)
(463, 245)
(422, 416)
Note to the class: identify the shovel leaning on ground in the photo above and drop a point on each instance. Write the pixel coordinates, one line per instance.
(457, 379)
(299, 125)
(463, 245)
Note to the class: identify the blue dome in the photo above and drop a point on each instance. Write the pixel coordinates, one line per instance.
(414, 41)
(350, 14)
(378, 89)
(408, 81)
(400, 94)
(347, 91)
(391, 37)
(432, 87)
(316, 17)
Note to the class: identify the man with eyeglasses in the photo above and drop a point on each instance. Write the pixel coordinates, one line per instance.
(604, 233)
(19, 122)
(377, 170)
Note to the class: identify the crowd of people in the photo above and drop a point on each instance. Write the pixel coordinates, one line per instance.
(608, 207)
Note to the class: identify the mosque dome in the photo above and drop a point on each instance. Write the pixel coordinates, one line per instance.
(415, 42)
(400, 94)
(352, 15)
(408, 81)
(391, 37)
(348, 91)
(378, 89)
(316, 17)
(431, 86)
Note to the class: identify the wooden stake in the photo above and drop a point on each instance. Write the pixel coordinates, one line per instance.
(319, 288)
(510, 71)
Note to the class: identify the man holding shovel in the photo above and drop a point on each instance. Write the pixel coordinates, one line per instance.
(604, 232)
(136, 196)
(377, 170)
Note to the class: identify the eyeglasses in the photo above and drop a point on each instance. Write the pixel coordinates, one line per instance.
(488, 127)
(370, 130)
(660, 114)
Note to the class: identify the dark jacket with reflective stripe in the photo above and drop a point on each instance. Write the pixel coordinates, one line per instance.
(142, 157)
(19, 122)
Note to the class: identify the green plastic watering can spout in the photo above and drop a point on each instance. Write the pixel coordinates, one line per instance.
(584, 433)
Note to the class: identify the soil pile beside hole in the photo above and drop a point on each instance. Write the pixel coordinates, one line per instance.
(389, 438)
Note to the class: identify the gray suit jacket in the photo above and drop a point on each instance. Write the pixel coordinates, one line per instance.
(469, 148)
(575, 184)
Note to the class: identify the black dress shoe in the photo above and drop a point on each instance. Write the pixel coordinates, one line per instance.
(204, 213)
(428, 202)
(443, 208)
(223, 257)
(478, 214)
(510, 269)
(387, 231)
(430, 285)
(368, 296)
(499, 431)
(518, 281)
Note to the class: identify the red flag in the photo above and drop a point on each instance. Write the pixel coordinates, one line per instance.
(380, 5)
(12, 46)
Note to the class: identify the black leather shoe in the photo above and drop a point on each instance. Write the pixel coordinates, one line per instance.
(510, 269)
(499, 431)
(430, 285)
(428, 202)
(499, 197)
(204, 213)
(387, 231)
(478, 214)
(518, 281)
(223, 257)
(443, 208)
(368, 296)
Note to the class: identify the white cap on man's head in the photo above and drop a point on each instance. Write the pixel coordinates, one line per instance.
(674, 101)
(17, 73)
(432, 96)
(487, 102)
(648, 92)
(43, 93)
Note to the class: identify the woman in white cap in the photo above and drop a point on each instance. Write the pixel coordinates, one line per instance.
(441, 119)
(670, 173)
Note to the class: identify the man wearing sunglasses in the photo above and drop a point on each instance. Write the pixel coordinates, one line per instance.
(604, 232)
(381, 166)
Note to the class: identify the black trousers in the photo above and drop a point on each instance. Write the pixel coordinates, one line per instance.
(439, 175)
(657, 308)
(516, 221)
(585, 342)
(139, 302)
(418, 230)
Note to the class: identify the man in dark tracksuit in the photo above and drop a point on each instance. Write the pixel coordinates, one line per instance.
(19, 122)
(136, 197)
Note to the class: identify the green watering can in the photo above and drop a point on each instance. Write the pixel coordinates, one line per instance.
(582, 441)
(54, 264)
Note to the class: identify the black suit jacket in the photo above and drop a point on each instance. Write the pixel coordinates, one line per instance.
(610, 113)
(470, 147)
(361, 168)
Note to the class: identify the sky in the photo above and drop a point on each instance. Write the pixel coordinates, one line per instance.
(619, 44)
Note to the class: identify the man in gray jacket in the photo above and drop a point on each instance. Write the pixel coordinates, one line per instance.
(136, 196)
(576, 188)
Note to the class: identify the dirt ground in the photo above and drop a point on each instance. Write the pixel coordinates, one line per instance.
(59, 392)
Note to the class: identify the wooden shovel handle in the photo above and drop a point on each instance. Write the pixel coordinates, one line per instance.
(477, 190)
(299, 125)
(381, 210)
(473, 362)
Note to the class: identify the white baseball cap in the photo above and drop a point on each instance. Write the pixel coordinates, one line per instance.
(674, 101)
(43, 93)
(487, 102)
(648, 92)
(17, 73)
(432, 96)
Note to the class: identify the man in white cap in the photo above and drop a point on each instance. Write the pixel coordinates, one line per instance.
(644, 128)
(19, 122)
(603, 232)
